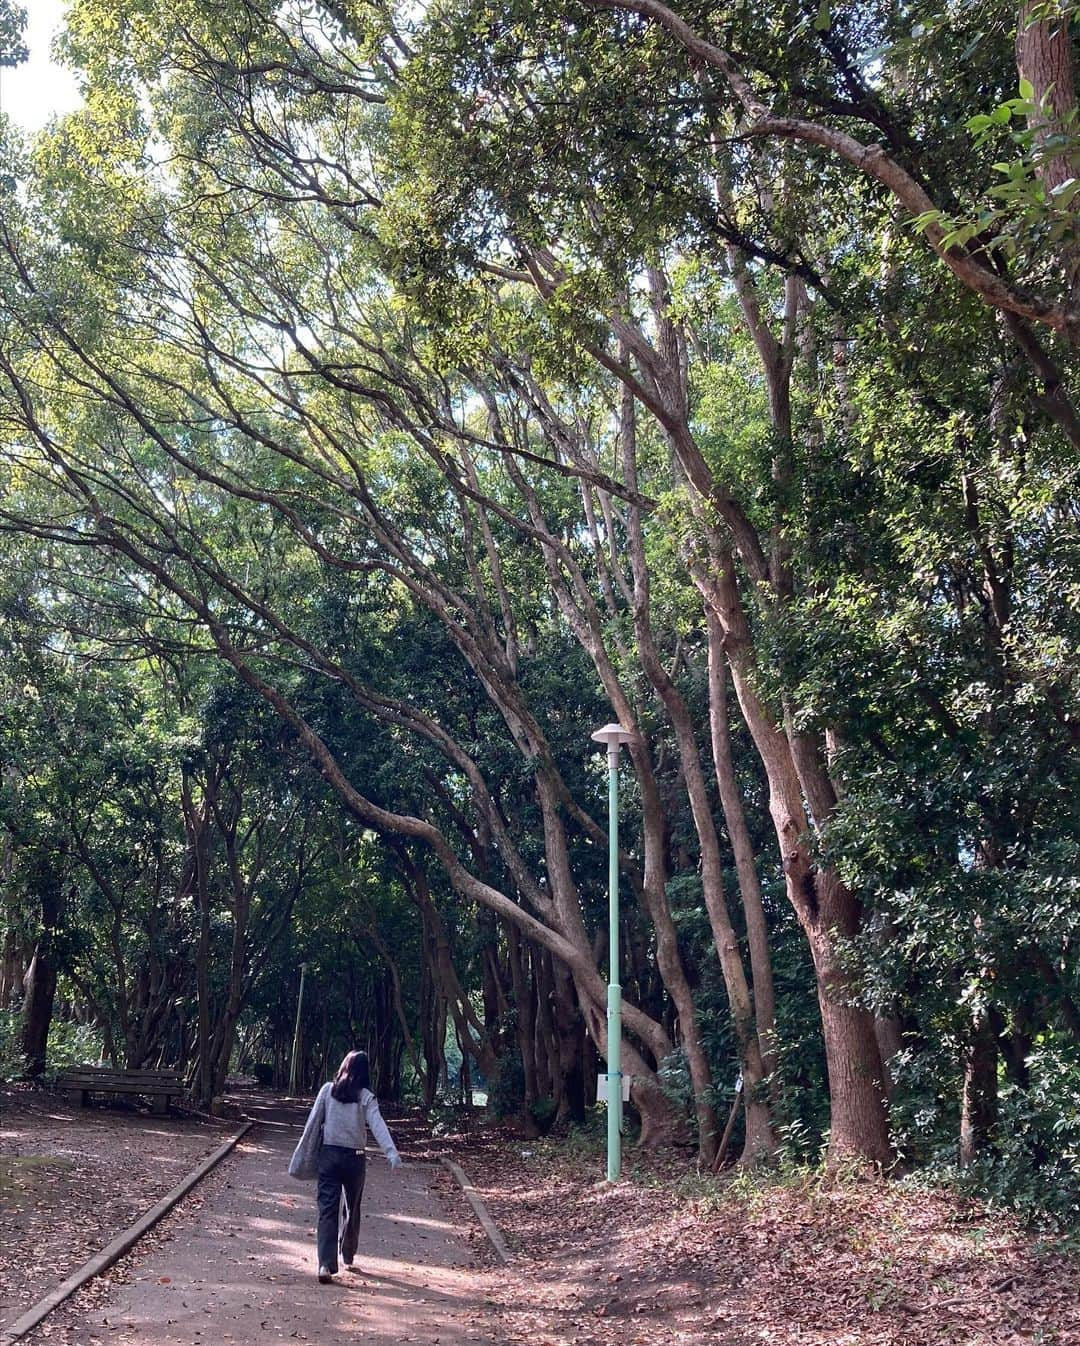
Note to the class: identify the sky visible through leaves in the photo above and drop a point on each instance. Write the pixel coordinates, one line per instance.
(39, 88)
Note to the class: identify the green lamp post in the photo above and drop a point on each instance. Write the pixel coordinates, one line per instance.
(613, 735)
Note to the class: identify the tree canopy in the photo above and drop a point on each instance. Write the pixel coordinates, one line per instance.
(390, 396)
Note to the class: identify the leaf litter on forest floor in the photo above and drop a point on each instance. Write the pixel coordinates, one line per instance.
(645, 1262)
(72, 1178)
(814, 1263)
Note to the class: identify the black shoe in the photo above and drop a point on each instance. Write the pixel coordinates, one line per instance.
(325, 1275)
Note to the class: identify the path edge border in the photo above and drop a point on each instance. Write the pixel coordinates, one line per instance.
(122, 1243)
(474, 1199)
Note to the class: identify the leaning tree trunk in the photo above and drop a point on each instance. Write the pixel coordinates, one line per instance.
(660, 1120)
(470, 1031)
(661, 1124)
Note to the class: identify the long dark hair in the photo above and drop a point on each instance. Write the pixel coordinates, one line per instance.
(353, 1075)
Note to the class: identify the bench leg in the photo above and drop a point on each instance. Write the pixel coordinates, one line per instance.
(160, 1105)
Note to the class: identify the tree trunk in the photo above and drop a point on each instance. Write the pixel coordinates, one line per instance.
(571, 1083)
(661, 1124)
(419, 1064)
(760, 1142)
(547, 1060)
(39, 984)
(525, 1017)
(470, 1031)
(825, 908)
(40, 993)
(198, 880)
(757, 930)
(494, 1000)
(979, 1101)
(11, 969)
(1044, 59)
(430, 1018)
(889, 1034)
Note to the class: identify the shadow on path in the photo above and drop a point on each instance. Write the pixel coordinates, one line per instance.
(241, 1269)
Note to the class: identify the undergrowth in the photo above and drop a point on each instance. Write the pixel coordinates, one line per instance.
(70, 1044)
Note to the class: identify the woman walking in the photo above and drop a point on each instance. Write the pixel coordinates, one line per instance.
(332, 1148)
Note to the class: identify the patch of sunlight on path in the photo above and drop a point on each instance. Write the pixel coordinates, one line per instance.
(241, 1269)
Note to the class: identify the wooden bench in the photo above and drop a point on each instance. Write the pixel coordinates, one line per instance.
(156, 1085)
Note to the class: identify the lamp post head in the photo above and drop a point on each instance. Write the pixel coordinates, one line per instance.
(613, 736)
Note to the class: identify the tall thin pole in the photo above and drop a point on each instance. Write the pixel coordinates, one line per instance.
(614, 995)
(294, 1083)
(613, 736)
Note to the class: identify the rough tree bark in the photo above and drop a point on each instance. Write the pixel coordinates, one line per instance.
(825, 907)
(1044, 58)
(979, 1099)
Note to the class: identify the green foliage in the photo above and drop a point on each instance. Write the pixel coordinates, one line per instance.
(73, 1044)
(283, 397)
(1034, 1167)
(1025, 219)
(673, 1074)
(543, 1111)
(12, 1061)
(70, 1044)
(12, 25)
(506, 1092)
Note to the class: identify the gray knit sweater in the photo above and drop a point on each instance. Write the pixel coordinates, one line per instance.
(347, 1123)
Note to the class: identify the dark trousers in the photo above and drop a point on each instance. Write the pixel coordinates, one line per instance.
(340, 1171)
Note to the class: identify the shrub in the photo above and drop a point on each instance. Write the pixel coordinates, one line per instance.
(542, 1111)
(1035, 1167)
(506, 1090)
(12, 1061)
(70, 1044)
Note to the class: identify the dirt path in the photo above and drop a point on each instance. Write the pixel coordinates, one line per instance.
(241, 1268)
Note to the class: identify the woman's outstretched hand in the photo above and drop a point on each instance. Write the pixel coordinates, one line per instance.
(394, 1159)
